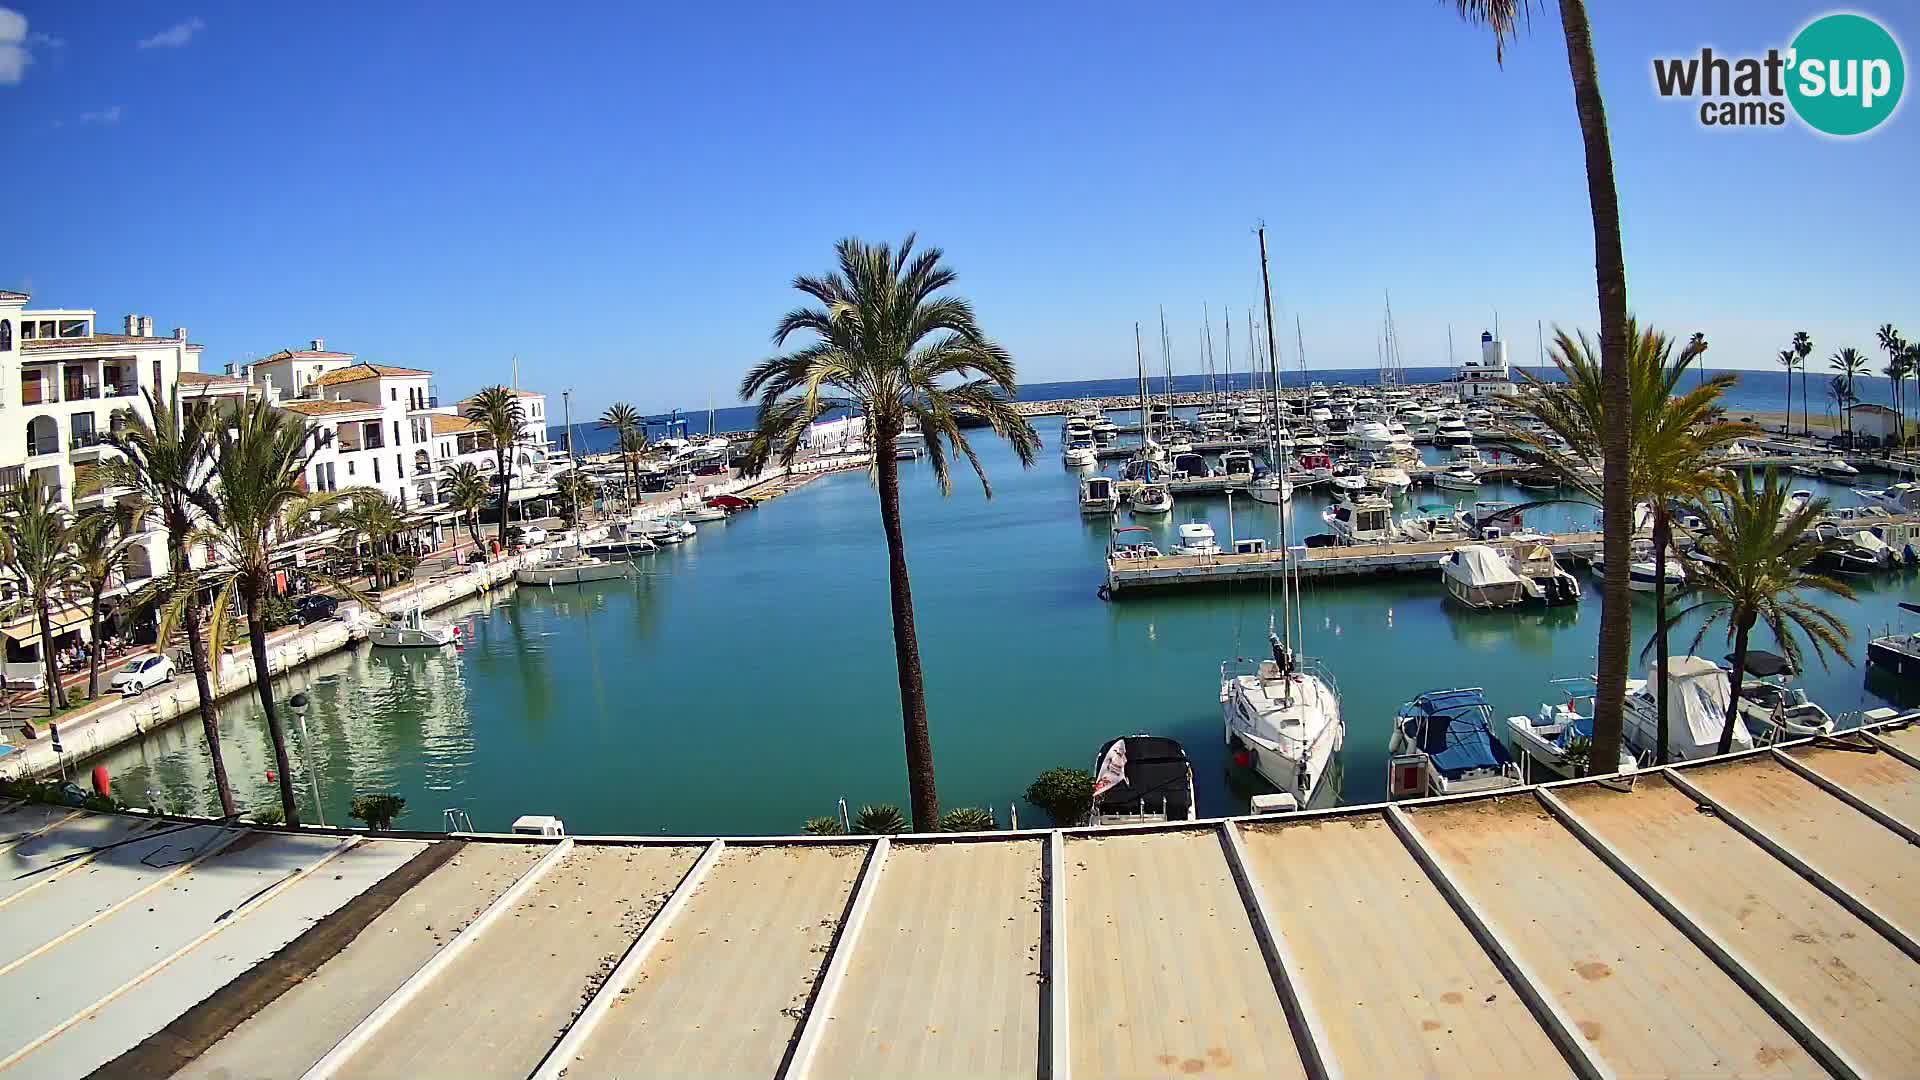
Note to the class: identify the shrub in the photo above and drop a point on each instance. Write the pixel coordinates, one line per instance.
(825, 826)
(1065, 794)
(378, 811)
(967, 819)
(882, 820)
(268, 815)
(277, 612)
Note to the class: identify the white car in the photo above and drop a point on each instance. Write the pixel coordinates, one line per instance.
(534, 535)
(143, 674)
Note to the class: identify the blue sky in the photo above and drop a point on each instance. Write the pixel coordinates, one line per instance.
(621, 195)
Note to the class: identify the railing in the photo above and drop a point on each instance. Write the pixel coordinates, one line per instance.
(43, 447)
(122, 389)
(12, 477)
(80, 391)
(80, 440)
(31, 394)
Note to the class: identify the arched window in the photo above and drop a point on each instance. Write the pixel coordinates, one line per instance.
(6, 334)
(43, 436)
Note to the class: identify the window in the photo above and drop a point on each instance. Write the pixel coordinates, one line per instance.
(6, 335)
(349, 468)
(376, 470)
(393, 394)
(156, 376)
(396, 433)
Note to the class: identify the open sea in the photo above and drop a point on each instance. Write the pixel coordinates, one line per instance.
(745, 681)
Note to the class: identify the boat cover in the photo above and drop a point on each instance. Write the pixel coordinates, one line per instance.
(1157, 769)
(1764, 664)
(1480, 566)
(1697, 696)
(1452, 728)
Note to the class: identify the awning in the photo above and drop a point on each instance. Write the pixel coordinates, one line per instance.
(25, 631)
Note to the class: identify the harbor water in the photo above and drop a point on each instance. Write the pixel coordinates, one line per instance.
(744, 682)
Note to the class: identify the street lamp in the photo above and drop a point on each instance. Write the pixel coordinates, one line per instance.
(299, 703)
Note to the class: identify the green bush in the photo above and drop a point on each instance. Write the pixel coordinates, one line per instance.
(276, 612)
(268, 815)
(967, 819)
(882, 820)
(378, 811)
(825, 826)
(1065, 794)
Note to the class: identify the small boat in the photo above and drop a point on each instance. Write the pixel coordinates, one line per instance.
(1443, 744)
(1126, 548)
(1457, 478)
(571, 571)
(1271, 488)
(1479, 577)
(409, 630)
(1391, 479)
(1190, 465)
(1772, 707)
(1097, 495)
(1196, 538)
(703, 513)
(1641, 572)
(1152, 498)
(671, 529)
(1079, 454)
(1861, 553)
(1797, 500)
(1351, 483)
(1537, 480)
(1898, 654)
(1698, 693)
(1141, 779)
(1104, 428)
(1558, 738)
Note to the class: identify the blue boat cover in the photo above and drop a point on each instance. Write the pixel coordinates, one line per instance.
(1453, 728)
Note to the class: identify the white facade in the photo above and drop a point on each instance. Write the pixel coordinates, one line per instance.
(1489, 376)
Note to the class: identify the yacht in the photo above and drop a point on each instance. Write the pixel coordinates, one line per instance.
(1898, 654)
(409, 630)
(1079, 454)
(1251, 416)
(1772, 707)
(1641, 572)
(671, 529)
(1151, 498)
(1283, 720)
(571, 571)
(1196, 538)
(1076, 428)
(700, 514)
(1191, 465)
(1902, 498)
(1443, 744)
(1547, 737)
(1348, 482)
(1797, 500)
(1391, 479)
(1545, 579)
(1105, 430)
(1237, 463)
(1479, 577)
(1214, 420)
(1698, 693)
(1309, 442)
(1450, 430)
(1361, 519)
(1457, 478)
(1433, 522)
(1141, 779)
(1097, 495)
(1372, 436)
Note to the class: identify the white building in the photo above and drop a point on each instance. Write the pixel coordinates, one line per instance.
(1489, 376)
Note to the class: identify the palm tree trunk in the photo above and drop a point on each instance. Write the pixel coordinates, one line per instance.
(1806, 424)
(1662, 537)
(1745, 626)
(46, 656)
(209, 723)
(93, 660)
(257, 641)
(506, 493)
(1610, 281)
(906, 644)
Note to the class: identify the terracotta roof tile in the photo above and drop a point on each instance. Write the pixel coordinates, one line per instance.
(201, 378)
(366, 371)
(99, 340)
(316, 407)
(445, 424)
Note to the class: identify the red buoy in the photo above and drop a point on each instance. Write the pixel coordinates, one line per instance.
(102, 781)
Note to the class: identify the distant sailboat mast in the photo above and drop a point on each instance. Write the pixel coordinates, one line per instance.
(1280, 509)
(1140, 361)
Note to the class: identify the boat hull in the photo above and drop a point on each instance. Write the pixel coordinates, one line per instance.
(570, 575)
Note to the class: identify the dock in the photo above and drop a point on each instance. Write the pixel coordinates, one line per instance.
(1170, 571)
(1753, 915)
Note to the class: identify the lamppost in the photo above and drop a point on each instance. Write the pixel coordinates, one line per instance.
(299, 703)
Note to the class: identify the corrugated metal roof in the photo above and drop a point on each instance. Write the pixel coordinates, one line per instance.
(1750, 916)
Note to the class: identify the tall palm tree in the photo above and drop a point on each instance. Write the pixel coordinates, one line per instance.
(886, 347)
(468, 492)
(576, 490)
(633, 445)
(1803, 348)
(166, 465)
(1503, 17)
(1789, 360)
(622, 419)
(498, 410)
(1674, 434)
(1895, 347)
(36, 550)
(1755, 570)
(260, 456)
(100, 541)
(371, 517)
(1849, 362)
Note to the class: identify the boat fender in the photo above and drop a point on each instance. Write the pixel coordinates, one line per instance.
(1104, 593)
(102, 782)
(1239, 752)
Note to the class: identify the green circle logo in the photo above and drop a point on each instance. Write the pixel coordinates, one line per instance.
(1846, 74)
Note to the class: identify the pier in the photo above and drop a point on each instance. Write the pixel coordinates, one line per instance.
(1172, 571)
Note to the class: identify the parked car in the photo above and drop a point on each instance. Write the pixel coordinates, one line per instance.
(143, 674)
(534, 535)
(315, 607)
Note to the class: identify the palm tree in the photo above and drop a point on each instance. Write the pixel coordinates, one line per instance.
(634, 445)
(498, 410)
(36, 550)
(260, 456)
(1849, 363)
(1789, 360)
(886, 347)
(1503, 17)
(1756, 554)
(576, 489)
(1674, 436)
(623, 420)
(371, 517)
(468, 492)
(167, 468)
(1803, 348)
(1895, 347)
(100, 541)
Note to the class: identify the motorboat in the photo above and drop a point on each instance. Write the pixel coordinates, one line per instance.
(1797, 500)
(1309, 443)
(1443, 744)
(1902, 498)
(1375, 437)
(1457, 478)
(672, 529)
(1852, 554)
(1361, 519)
(702, 514)
(1546, 580)
(1772, 707)
(1237, 463)
(1698, 695)
(571, 571)
(1537, 479)
(1559, 737)
(1130, 542)
(1467, 455)
(1150, 498)
(1196, 538)
(1898, 654)
(1479, 577)
(1451, 430)
(1214, 420)
(1079, 453)
(1433, 522)
(1191, 465)
(1251, 416)
(1642, 574)
(1097, 495)
(1350, 482)
(1316, 466)
(1492, 519)
(1282, 719)
(1076, 428)
(1141, 779)
(1271, 488)
(1391, 479)
(410, 630)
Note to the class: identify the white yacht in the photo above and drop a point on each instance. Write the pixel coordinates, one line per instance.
(1547, 736)
(1196, 538)
(1457, 478)
(571, 571)
(1282, 720)
(1433, 522)
(1902, 498)
(1237, 463)
(1698, 693)
(1361, 519)
(1479, 577)
(1150, 498)
(409, 630)
(1443, 744)
(1451, 430)
(1642, 574)
(1097, 495)
(1391, 479)
(1079, 454)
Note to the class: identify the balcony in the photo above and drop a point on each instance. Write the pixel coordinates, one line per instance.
(12, 477)
(89, 446)
(121, 389)
(42, 447)
(35, 394)
(81, 391)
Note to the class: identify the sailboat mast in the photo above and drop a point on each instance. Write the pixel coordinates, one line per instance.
(1207, 310)
(1140, 361)
(1280, 508)
(1226, 323)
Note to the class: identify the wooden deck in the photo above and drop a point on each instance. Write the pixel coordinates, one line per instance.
(1752, 916)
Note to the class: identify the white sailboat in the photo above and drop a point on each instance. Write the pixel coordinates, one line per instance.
(1282, 715)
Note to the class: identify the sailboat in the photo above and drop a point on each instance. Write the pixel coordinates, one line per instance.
(1282, 715)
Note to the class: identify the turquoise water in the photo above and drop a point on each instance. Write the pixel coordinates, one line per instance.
(746, 682)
